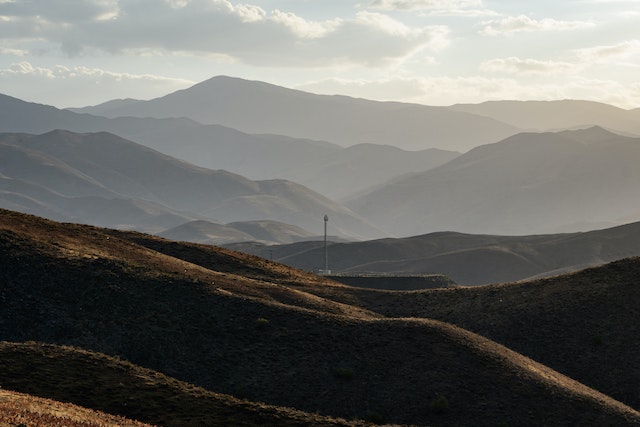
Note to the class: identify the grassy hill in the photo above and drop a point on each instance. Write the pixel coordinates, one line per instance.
(247, 327)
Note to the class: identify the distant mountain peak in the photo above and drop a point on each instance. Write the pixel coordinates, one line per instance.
(590, 134)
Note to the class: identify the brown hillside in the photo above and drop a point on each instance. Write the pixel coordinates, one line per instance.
(19, 409)
(583, 324)
(267, 339)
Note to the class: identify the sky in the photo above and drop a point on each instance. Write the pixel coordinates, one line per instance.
(73, 53)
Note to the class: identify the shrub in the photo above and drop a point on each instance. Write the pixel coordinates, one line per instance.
(597, 341)
(439, 405)
(345, 374)
(374, 418)
(262, 322)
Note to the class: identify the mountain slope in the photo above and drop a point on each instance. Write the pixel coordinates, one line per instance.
(257, 107)
(108, 167)
(268, 340)
(467, 259)
(529, 183)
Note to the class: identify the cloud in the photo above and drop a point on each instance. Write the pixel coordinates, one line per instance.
(244, 32)
(517, 65)
(64, 11)
(77, 86)
(522, 23)
(475, 89)
(424, 4)
(14, 52)
(607, 53)
(577, 60)
(435, 7)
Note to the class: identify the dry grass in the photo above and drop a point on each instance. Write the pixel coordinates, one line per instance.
(19, 409)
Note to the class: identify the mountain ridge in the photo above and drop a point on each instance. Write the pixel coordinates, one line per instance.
(529, 183)
(253, 107)
(118, 169)
(558, 114)
(316, 164)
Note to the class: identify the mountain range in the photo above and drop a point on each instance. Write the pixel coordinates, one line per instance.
(259, 108)
(325, 167)
(543, 116)
(207, 319)
(102, 179)
(468, 259)
(529, 183)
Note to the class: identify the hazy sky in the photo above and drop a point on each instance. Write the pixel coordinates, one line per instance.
(437, 52)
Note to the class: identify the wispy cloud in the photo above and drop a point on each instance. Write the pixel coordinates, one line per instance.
(435, 7)
(14, 52)
(72, 84)
(515, 65)
(576, 61)
(522, 23)
(62, 72)
(607, 53)
(474, 89)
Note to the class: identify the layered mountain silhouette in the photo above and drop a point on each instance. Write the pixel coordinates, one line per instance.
(556, 115)
(258, 107)
(526, 184)
(235, 324)
(327, 168)
(468, 259)
(102, 179)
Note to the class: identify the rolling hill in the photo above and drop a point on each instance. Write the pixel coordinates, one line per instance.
(467, 259)
(583, 324)
(241, 325)
(113, 385)
(258, 107)
(529, 183)
(103, 179)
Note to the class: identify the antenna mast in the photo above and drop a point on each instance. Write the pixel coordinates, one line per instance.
(326, 253)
